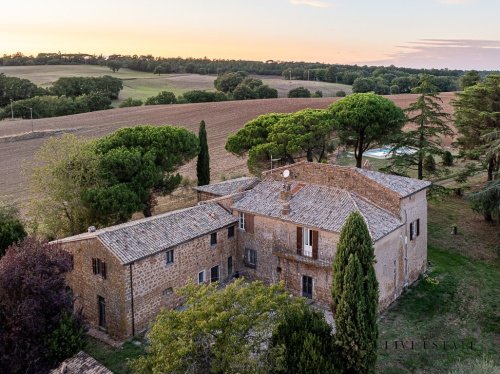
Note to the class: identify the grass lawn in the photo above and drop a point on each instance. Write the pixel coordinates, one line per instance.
(115, 359)
(458, 303)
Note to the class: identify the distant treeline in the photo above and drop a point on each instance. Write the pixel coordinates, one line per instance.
(22, 98)
(337, 73)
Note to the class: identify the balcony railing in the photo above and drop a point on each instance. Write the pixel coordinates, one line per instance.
(288, 255)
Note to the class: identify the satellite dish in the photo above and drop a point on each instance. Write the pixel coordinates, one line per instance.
(286, 173)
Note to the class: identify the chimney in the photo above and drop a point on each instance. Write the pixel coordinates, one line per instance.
(286, 209)
(91, 229)
(285, 195)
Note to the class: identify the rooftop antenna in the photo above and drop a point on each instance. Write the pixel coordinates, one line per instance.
(273, 159)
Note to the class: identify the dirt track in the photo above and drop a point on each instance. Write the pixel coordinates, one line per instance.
(221, 119)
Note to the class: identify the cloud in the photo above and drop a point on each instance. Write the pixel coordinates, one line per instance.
(455, 2)
(313, 3)
(446, 53)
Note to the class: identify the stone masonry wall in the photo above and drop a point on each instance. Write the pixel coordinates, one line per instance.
(87, 286)
(154, 279)
(412, 208)
(287, 266)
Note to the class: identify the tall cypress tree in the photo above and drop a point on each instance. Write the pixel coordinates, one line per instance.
(355, 240)
(351, 335)
(203, 163)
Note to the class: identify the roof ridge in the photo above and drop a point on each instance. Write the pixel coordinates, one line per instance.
(360, 212)
(375, 205)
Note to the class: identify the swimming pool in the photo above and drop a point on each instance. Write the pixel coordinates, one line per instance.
(385, 152)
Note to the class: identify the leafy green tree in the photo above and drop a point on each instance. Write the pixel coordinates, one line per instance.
(67, 339)
(288, 136)
(299, 92)
(199, 96)
(14, 88)
(429, 164)
(77, 86)
(487, 200)
(130, 102)
(11, 228)
(366, 119)
(266, 92)
(431, 123)
(228, 82)
(361, 85)
(447, 158)
(114, 65)
(469, 79)
(226, 330)
(136, 165)
(164, 97)
(307, 341)
(253, 83)
(244, 92)
(477, 113)
(354, 302)
(318, 93)
(65, 168)
(395, 89)
(340, 93)
(203, 162)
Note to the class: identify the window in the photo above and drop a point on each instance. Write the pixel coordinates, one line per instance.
(201, 277)
(101, 306)
(307, 236)
(99, 267)
(230, 232)
(251, 257)
(307, 286)
(169, 257)
(168, 291)
(242, 221)
(229, 266)
(214, 274)
(414, 229)
(307, 242)
(213, 238)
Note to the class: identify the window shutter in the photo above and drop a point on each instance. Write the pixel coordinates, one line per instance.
(94, 266)
(249, 223)
(418, 227)
(315, 244)
(103, 270)
(299, 240)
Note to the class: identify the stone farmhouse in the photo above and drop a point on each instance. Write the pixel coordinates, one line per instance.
(276, 229)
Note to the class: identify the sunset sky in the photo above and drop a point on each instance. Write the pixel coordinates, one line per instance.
(461, 34)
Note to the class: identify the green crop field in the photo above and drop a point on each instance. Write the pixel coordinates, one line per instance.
(140, 85)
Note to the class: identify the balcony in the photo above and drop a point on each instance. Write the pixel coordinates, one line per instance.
(286, 254)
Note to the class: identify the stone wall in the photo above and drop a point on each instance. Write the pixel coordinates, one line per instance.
(155, 281)
(414, 207)
(87, 286)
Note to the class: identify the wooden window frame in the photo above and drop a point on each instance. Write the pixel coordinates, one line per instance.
(169, 259)
(213, 239)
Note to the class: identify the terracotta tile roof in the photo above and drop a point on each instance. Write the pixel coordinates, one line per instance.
(401, 185)
(325, 208)
(81, 363)
(134, 240)
(229, 187)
